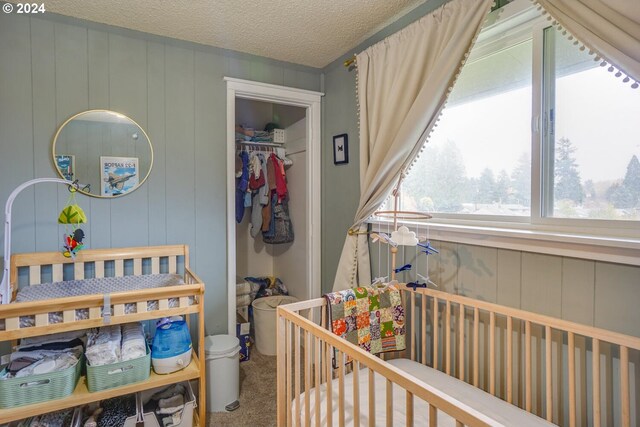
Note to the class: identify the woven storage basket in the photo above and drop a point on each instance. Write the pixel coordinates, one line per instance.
(39, 388)
(117, 374)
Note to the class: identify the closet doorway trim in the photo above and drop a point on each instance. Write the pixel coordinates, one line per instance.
(309, 100)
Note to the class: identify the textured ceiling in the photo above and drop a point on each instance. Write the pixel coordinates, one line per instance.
(308, 32)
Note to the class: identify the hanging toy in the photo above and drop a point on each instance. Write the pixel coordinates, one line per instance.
(72, 215)
(73, 243)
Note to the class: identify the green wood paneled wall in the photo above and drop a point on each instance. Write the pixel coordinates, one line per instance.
(52, 67)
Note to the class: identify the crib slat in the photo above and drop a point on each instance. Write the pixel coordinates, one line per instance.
(323, 322)
(447, 338)
(318, 376)
(296, 373)
(34, 275)
(492, 353)
(595, 367)
(99, 269)
(476, 330)
(459, 424)
(509, 359)
(119, 267)
(163, 304)
(118, 309)
(423, 329)
(372, 399)
(287, 379)
(68, 316)
(548, 362)
(624, 385)
(173, 261)
(572, 378)
(141, 307)
(329, 387)
(527, 365)
(461, 342)
(413, 326)
(42, 319)
(12, 323)
(95, 313)
(433, 416)
(78, 270)
(389, 403)
(137, 266)
(435, 333)
(56, 271)
(409, 409)
(340, 388)
(155, 265)
(356, 394)
(307, 377)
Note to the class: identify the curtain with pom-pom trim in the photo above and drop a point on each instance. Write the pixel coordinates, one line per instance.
(610, 29)
(402, 84)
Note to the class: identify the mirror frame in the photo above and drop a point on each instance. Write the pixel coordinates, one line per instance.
(55, 139)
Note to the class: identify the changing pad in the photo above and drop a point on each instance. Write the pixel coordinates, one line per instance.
(104, 285)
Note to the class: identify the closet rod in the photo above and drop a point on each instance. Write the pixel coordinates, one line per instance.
(260, 144)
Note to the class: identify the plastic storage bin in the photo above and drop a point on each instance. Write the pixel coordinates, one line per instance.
(117, 374)
(39, 388)
(222, 353)
(264, 317)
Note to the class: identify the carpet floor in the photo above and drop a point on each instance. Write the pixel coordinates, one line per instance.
(257, 395)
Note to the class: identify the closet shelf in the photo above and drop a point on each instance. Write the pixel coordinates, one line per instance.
(82, 396)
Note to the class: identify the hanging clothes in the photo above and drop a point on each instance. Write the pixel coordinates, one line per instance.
(280, 177)
(242, 184)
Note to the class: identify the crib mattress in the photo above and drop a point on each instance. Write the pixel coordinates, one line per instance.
(498, 409)
(103, 285)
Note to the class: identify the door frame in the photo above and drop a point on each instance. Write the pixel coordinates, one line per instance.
(276, 94)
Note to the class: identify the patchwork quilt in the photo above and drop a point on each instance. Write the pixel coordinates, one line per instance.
(372, 318)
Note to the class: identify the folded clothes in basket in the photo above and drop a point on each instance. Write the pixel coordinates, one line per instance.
(168, 405)
(44, 357)
(115, 343)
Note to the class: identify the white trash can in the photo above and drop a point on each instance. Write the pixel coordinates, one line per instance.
(222, 353)
(264, 317)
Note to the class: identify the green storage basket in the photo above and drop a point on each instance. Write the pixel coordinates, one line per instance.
(118, 374)
(39, 388)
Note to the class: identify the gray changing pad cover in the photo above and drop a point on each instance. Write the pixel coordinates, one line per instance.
(104, 285)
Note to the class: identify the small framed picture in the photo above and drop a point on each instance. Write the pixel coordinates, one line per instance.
(66, 164)
(341, 149)
(118, 175)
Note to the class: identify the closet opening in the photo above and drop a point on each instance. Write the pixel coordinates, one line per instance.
(273, 190)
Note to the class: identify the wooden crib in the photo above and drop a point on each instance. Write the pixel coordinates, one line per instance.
(515, 355)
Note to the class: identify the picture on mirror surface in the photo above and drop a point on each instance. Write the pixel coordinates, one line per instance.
(67, 166)
(119, 175)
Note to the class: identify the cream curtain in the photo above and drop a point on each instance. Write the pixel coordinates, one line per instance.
(403, 82)
(611, 28)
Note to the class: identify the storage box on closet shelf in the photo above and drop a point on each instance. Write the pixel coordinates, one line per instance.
(278, 136)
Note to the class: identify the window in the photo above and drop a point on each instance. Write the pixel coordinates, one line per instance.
(535, 131)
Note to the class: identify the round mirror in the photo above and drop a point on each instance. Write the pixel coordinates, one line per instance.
(109, 154)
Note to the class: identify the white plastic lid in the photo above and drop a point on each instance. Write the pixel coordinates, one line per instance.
(220, 345)
(270, 303)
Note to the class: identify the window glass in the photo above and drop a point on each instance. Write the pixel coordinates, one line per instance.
(478, 158)
(594, 136)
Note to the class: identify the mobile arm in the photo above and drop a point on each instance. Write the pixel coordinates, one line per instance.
(5, 286)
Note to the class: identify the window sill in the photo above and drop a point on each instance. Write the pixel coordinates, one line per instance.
(520, 237)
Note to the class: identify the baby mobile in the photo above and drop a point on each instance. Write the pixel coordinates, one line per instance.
(71, 216)
(402, 236)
